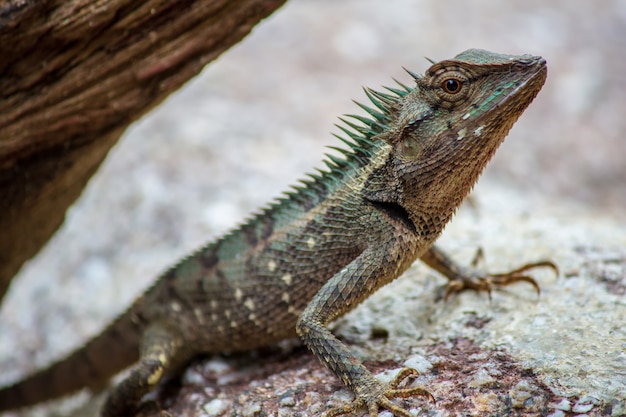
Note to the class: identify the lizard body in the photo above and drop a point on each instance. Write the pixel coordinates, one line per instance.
(324, 247)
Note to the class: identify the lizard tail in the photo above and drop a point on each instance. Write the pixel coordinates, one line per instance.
(88, 367)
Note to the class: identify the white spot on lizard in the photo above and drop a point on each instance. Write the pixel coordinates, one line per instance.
(310, 243)
(175, 307)
(199, 316)
(467, 116)
(249, 303)
(461, 133)
(238, 294)
(271, 266)
(285, 297)
(287, 279)
(479, 130)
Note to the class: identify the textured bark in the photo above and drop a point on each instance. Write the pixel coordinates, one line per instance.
(73, 75)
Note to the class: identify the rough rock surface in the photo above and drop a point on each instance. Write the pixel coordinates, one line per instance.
(560, 353)
(259, 118)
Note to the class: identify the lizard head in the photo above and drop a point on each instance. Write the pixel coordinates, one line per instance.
(440, 134)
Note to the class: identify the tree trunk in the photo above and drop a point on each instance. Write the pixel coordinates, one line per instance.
(73, 75)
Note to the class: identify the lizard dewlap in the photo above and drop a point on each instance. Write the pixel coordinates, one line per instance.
(326, 245)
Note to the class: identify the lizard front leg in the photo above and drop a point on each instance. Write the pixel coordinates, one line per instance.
(461, 278)
(340, 294)
(160, 352)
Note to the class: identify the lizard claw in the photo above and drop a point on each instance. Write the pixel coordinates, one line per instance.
(475, 280)
(380, 400)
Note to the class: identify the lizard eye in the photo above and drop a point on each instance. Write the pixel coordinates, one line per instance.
(451, 85)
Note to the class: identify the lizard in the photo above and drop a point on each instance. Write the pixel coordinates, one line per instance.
(324, 246)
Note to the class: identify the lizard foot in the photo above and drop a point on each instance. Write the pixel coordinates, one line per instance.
(471, 278)
(379, 397)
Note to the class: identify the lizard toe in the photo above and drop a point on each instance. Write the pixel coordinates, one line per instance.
(477, 280)
(343, 410)
(379, 398)
(404, 374)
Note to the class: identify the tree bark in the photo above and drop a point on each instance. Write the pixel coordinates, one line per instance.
(73, 75)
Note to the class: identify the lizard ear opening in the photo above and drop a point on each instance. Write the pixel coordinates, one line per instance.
(410, 149)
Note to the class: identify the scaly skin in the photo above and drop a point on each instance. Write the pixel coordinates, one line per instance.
(316, 253)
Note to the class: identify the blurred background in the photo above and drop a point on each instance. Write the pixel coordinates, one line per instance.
(261, 115)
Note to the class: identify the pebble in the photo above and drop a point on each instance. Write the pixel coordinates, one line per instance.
(215, 407)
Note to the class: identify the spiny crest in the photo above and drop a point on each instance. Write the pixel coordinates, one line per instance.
(359, 148)
(359, 134)
(415, 76)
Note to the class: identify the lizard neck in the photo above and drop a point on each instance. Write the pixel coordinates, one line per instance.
(427, 192)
